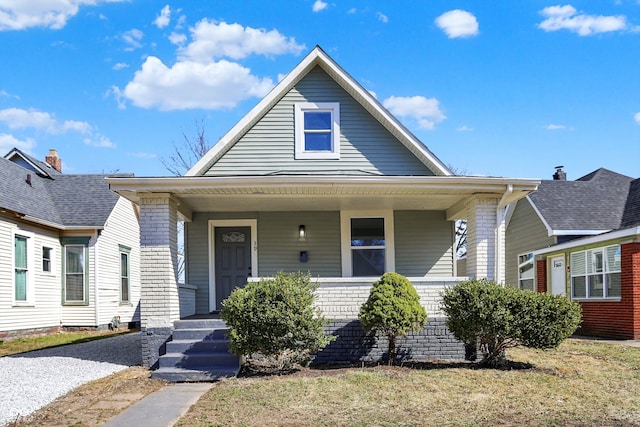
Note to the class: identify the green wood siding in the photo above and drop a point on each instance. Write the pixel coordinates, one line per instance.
(525, 233)
(365, 145)
(423, 244)
(279, 244)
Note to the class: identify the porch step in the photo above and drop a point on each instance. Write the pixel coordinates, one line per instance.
(198, 351)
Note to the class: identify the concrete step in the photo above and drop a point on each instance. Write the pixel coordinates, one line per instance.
(197, 360)
(211, 373)
(200, 324)
(199, 334)
(191, 346)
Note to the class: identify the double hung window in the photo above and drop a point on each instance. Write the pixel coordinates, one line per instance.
(525, 271)
(317, 130)
(125, 276)
(75, 267)
(595, 273)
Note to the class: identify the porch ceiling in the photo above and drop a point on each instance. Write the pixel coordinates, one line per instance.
(307, 193)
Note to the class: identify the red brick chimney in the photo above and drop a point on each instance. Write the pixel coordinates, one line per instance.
(53, 160)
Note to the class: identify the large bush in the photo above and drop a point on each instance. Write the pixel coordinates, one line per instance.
(495, 317)
(393, 309)
(275, 317)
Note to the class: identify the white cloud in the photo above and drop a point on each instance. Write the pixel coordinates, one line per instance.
(636, 117)
(189, 84)
(8, 142)
(553, 126)
(567, 18)
(120, 66)
(319, 5)
(458, 23)
(133, 38)
(52, 14)
(177, 38)
(352, 11)
(4, 93)
(426, 111)
(17, 118)
(164, 18)
(382, 17)
(464, 128)
(216, 40)
(99, 141)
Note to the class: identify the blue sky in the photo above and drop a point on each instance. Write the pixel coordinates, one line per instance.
(492, 88)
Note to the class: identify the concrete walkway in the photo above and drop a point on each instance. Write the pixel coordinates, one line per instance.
(162, 408)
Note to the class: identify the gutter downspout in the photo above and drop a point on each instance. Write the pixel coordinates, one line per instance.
(500, 216)
(96, 298)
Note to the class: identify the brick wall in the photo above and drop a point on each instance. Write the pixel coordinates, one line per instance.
(617, 319)
(481, 238)
(541, 275)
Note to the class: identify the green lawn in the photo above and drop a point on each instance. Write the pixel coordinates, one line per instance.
(581, 383)
(21, 345)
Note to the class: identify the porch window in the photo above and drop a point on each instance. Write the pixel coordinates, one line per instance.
(596, 273)
(75, 267)
(317, 130)
(525, 271)
(125, 274)
(367, 246)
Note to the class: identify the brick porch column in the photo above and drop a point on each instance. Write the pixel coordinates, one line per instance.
(159, 302)
(485, 240)
(630, 267)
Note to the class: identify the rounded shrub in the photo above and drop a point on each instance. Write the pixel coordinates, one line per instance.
(275, 317)
(496, 317)
(393, 309)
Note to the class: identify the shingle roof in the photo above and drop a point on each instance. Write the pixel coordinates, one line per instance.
(596, 201)
(631, 216)
(61, 200)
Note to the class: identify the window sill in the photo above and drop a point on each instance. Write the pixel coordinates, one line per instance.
(75, 304)
(125, 304)
(329, 155)
(598, 299)
(23, 304)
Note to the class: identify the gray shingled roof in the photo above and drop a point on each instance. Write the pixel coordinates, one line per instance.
(631, 216)
(596, 201)
(62, 200)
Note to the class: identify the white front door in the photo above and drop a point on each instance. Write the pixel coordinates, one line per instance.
(558, 277)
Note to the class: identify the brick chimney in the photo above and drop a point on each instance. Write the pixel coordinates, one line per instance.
(53, 160)
(560, 175)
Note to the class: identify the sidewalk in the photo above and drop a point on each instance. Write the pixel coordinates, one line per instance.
(162, 408)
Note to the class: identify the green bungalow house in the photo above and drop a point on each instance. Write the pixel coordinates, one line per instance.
(317, 177)
(582, 239)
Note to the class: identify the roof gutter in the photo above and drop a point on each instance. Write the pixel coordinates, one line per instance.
(612, 235)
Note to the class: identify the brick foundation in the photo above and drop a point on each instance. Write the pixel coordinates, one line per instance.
(353, 345)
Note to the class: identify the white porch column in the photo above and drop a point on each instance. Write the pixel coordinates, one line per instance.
(159, 302)
(485, 239)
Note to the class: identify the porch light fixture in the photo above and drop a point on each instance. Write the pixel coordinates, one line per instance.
(302, 232)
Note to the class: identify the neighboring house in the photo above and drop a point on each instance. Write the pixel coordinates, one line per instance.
(317, 177)
(69, 249)
(582, 239)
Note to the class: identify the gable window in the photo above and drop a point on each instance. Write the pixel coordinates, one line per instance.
(23, 268)
(124, 274)
(525, 271)
(75, 265)
(46, 259)
(595, 273)
(317, 130)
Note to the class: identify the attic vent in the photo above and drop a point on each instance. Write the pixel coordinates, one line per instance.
(29, 178)
(560, 175)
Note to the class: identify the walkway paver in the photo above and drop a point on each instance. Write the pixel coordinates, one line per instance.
(162, 408)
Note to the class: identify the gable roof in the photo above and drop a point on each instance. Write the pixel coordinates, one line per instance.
(56, 200)
(592, 204)
(317, 57)
(41, 168)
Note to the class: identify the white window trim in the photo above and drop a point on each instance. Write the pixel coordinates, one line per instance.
(251, 223)
(127, 251)
(52, 259)
(30, 301)
(530, 261)
(345, 238)
(605, 271)
(300, 108)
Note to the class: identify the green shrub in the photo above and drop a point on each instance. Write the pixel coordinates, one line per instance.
(393, 309)
(495, 317)
(275, 318)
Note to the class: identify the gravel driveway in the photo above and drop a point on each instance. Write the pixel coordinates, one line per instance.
(32, 380)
